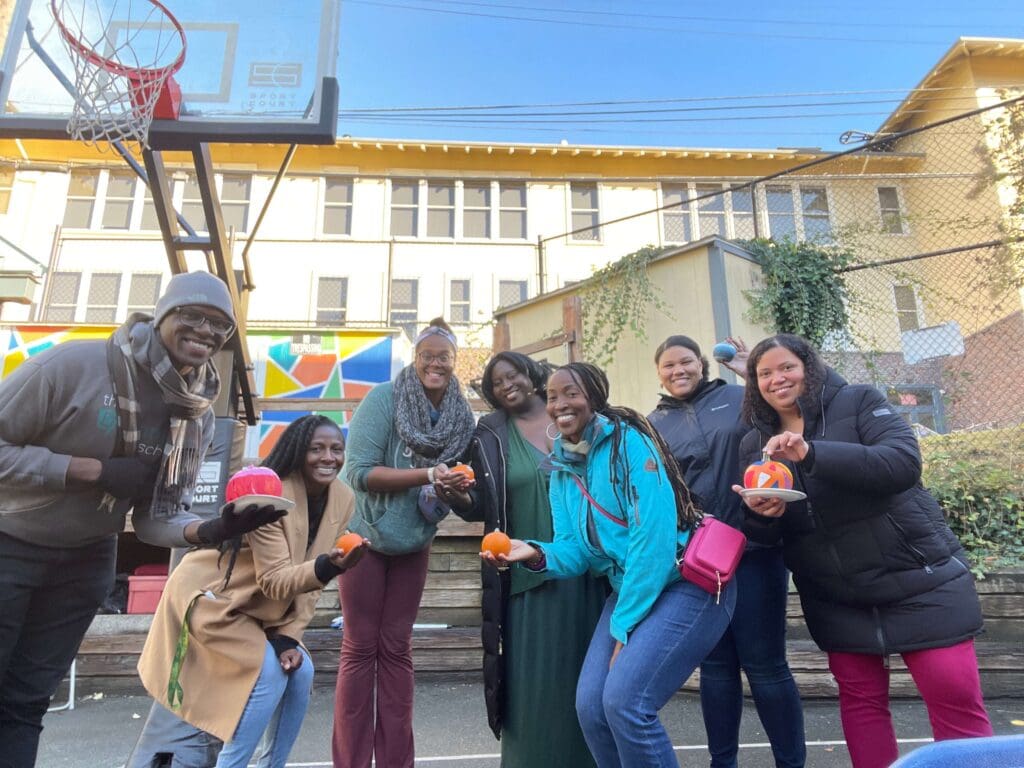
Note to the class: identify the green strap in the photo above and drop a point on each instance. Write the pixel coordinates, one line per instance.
(174, 691)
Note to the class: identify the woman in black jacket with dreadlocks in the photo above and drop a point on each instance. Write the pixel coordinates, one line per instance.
(877, 567)
(621, 508)
(529, 681)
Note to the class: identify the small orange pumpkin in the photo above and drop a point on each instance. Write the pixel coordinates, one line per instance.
(497, 543)
(348, 541)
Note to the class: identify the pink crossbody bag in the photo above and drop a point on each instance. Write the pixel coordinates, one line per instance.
(711, 555)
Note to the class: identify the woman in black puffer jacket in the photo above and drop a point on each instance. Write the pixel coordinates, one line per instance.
(877, 567)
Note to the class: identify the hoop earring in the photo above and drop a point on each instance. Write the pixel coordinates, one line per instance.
(547, 431)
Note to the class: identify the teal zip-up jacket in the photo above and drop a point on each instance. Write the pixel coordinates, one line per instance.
(391, 521)
(639, 559)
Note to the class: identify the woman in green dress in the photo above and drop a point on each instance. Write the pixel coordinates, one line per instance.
(529, 679)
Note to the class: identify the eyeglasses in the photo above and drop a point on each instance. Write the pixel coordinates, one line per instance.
(445, 358)
(195, 319)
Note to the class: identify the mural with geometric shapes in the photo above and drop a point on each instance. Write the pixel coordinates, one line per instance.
(329, 365)
(333, 364)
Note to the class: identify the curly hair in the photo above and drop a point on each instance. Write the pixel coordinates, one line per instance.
(755, 407)
(535, 371)
(594, 383)
(289, 452)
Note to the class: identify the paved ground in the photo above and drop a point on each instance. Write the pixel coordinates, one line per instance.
(451, 730)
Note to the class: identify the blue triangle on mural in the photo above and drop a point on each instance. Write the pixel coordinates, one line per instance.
(371, 364)
(282, 355)
(314, 391)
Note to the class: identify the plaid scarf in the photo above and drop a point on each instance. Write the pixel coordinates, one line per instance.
(442, 442)
(135, 349)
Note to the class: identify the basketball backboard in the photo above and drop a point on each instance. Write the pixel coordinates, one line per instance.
(253, 71)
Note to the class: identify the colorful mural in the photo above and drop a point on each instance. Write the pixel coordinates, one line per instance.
(311, 365)
(304, 364)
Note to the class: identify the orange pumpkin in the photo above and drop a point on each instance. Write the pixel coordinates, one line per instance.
(497, 543)
(348, 541)
(768, 474)
(464, 469)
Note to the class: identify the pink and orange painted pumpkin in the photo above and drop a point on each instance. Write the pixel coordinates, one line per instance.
(768, 474)
(253, 481)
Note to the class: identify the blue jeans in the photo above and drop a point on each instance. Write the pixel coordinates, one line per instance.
(278, 701)
(48, 598)
(618, 708)
(755, 642)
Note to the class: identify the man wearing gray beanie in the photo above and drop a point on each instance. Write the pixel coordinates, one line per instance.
(89, 430)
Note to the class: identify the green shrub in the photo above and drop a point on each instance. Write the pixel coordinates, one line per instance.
(978, 479)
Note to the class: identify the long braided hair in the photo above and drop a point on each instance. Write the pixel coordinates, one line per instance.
(594, 383)
(289, 452)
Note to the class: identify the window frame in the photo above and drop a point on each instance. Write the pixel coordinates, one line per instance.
(409, 325)
(466, 302)
(901, 219)
(317, 308)
(918, 309)
(524, 292)
(579, 237)
(7, 188)
(326, 205)
(796, 200)
(88, 305)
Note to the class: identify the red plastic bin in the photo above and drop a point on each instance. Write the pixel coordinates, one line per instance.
(144, 592)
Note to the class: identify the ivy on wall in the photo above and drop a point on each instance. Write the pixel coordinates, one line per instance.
(802, 292)
(616, 299)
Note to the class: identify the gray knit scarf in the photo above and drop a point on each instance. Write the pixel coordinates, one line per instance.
(443, 442)
(135, 349)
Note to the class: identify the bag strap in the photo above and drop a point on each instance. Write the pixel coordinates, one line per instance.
(598, 507)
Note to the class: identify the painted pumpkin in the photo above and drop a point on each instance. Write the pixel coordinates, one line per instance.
(253, 481)
(464, 469)
(768, 474)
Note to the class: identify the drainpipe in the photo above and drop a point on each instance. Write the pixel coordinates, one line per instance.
(541, 270)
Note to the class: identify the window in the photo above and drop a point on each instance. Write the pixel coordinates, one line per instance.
(907, 310)
(889, 206)
(149, 220)
(234, 201)
(458, 301)
(405, 305)
(440, 209)
(742, 213)
(192, 205)
(781, 217)
(117, 205)
(337, 206)
(6, 184)
(511, 292)
(63, 298)
(143, 291)
(512, 211)
(476, 209)
(331, 300)
(104, 289)
(814, 205)
(711, 210)
(405, 196)
(918, 405)
(81, 199)
(676, 220)
(584, 211)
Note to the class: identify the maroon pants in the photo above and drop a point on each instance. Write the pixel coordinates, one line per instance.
(379, 600)
(947, 679)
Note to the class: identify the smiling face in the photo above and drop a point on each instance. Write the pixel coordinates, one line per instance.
(780, 379)
(568, 406)
(435, 359)
(512, 388)
(680, 370)
(325, 457)
(188, 347)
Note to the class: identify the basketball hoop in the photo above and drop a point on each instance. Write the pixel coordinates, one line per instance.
(121, 92)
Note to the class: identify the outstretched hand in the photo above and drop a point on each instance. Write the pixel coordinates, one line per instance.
(520, 553)
(232, 524)
(761, 505)
(738, 364)
(346, 560)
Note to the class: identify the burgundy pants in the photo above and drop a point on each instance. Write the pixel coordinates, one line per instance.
(947, 679)
(379, 600)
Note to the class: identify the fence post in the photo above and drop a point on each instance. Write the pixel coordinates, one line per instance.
(502, 335)
(572, 326)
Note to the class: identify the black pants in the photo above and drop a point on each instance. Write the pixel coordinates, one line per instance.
(48, 598)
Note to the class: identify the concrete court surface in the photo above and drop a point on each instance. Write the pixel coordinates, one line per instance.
(451, 730)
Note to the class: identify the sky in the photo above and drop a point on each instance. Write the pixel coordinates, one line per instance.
(681, 73)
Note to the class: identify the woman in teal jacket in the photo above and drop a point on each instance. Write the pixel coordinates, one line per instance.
(620, 509)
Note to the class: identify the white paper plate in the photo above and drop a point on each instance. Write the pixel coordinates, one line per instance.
(277, 502)
(785, 494)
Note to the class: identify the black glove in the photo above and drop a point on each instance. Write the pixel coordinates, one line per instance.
(231, 525)
(127, 477)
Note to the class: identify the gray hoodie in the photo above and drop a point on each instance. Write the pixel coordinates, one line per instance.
(59, 404)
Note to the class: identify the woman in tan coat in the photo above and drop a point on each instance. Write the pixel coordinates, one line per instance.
(239, 666)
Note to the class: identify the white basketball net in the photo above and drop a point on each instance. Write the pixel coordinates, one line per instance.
(123, 53)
